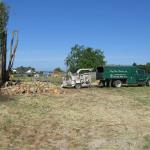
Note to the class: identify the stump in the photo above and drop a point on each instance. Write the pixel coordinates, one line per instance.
(3, 49)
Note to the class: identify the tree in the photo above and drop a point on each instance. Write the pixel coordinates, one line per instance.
(84, 57)
(3, 39)
(134, 64)
(23, 70)
(145, 67)
(3, 17)
(148, 67)
(58, 69)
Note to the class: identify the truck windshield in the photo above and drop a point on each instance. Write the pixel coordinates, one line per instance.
(100, 69)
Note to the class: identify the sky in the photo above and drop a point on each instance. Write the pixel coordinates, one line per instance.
(49, 28)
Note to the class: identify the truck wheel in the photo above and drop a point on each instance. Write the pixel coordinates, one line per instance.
(78, 86)
(148, 83)
(117, 83)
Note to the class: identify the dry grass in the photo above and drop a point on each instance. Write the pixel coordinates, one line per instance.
(86, 119)
(54, 80)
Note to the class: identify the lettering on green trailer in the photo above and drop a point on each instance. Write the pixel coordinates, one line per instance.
(126, 74)
(119, 76)
(118, 71)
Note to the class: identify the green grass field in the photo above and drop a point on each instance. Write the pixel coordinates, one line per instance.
(85, 119)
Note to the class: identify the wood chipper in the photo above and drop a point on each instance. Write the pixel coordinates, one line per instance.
(82, 78)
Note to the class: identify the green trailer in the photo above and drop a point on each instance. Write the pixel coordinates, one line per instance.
(116, 76)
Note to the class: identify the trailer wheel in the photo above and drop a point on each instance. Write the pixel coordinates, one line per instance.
(148, 83)
(78, 86)
(101, 84)
(117, 83)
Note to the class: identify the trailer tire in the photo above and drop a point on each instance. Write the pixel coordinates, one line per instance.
(101, 84)
(78, 86)
(148, 83)
(117, 83)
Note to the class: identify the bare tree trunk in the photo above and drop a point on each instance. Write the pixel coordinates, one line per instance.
(4, 55)
(3, 49)
(1, 59)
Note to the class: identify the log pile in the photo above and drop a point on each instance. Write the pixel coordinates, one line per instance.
(30, 88)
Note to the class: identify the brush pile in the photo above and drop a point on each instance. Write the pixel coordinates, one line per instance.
(15, 88)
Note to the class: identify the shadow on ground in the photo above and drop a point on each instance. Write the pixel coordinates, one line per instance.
(5, 98)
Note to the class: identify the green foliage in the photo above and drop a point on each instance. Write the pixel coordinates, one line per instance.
(58, 69)
(22, 70)
(134, 64)
(145, 67)
(3, 16)
(147, 142)
(84, 57)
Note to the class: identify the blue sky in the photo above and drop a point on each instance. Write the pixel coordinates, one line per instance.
(49, 28)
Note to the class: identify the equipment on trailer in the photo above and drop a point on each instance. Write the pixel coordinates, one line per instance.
(116, 76)
(81, 79)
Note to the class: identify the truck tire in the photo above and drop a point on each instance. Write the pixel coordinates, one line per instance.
(117, 83)
(148, 83)
(78, 86)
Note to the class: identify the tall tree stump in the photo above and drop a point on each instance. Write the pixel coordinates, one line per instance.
(3, 49)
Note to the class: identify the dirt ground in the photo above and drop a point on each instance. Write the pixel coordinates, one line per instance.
(86, 119)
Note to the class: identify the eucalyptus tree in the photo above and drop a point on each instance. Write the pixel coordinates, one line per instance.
(4, 16)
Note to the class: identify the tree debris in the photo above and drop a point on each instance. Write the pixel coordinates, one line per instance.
(16, 88)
